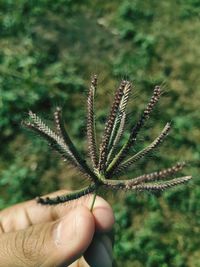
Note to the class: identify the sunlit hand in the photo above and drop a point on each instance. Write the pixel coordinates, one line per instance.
(33, 235)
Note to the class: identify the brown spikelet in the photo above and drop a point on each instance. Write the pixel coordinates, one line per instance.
(134, 132)
(55, 143)
(61, 144)
(67, 140)
(62, 133)
(125, 98)
(159, 175)
(126, 164)
(157, 186)
(91, 134)
(160, 186)
(109, 126)
(118, 136)
(119, 123)
(41, 127)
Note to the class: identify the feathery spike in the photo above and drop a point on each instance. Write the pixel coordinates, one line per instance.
(125, 98)
(58, 144)
(39, 125)
(58, 147)
(159, 140)
(161, 186)
(130, 185)
(91, 127)
(119, 123)
(117, 139)
(159, 175)
(109, 126)
(67, 140)
(134, 132)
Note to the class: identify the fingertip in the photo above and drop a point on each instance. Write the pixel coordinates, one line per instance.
(78, 227)
(103, 215)
(85, 226)
(72, 235)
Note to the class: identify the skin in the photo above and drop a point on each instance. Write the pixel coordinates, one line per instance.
(63, 235)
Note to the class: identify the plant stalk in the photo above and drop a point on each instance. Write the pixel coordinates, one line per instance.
(93, 201)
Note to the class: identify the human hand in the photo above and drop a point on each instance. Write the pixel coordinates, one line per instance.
(33, 235)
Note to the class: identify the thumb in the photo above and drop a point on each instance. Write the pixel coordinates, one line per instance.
(50, 244)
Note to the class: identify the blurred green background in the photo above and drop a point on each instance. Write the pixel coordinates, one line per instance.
(48, 51)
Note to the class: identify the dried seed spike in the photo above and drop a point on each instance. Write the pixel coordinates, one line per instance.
(159, 175)
(109, 126)
(134, 132)
(120, 131)
(123, 166)
(39, 125)
(117, 139)
(91, 127)
(55, 143)
(66, 197)
(160, 186)
(125, 98)
(64, 135)
(154, 99)
(130, 185)
(58, 120)
(121, 113)
(67, 140)
(61, 144)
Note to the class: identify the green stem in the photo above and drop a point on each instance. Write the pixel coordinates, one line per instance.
(112, 164)
(93, 201)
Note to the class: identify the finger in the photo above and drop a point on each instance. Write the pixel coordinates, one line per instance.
(22, 215)
(28, 213)
(79, 263)
(99, 252)
(50, 244)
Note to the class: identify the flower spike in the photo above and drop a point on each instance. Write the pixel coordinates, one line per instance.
(109, 164)
(91, 128)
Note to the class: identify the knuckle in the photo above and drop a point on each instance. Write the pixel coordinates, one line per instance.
(29, 244)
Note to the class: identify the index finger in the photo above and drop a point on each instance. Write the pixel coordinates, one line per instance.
(28, 213)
